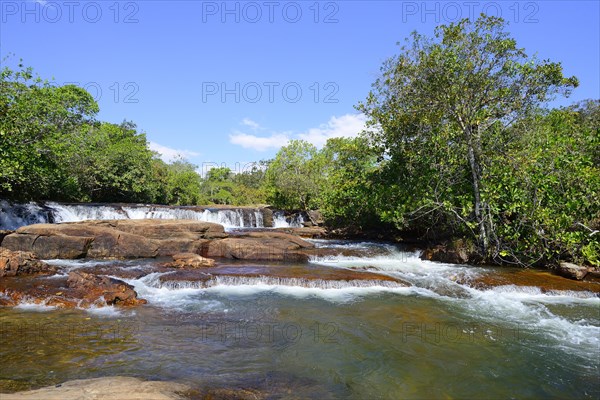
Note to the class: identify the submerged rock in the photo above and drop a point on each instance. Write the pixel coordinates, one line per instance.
(13, 263)
(545, 280)
(114, 387)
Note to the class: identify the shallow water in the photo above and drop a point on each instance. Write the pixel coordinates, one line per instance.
(437, 338)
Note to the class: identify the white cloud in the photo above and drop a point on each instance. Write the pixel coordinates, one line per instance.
(349, 125)
(252, 124)
(168, 154)
(275, 141)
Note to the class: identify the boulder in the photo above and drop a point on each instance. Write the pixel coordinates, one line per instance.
(316, 217)
(13, 263)
(113, 291)
(190, 260)
(572, 271)
(456, 252)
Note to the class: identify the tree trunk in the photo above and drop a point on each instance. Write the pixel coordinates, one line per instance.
(480, 214)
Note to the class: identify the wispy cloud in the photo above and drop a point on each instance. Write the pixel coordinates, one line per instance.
(251, 124)
(348, 125)
(168, 154)
(275, 141)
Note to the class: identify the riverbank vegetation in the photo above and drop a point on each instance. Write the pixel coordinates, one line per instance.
(459, 144)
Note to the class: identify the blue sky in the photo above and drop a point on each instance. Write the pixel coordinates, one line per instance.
(230, 82)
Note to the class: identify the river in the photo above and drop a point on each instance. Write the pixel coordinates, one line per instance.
(442, 336)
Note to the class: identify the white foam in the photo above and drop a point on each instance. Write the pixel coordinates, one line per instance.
(107, 311)
(31, 306)
(281, 221)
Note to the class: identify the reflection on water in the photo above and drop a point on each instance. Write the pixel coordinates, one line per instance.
(437, 339)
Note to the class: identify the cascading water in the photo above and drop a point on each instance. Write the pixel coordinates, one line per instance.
(429, 325)
(13, 216)
(293, 221)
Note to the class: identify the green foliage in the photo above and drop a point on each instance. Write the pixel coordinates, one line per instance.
(349, 196)
(37, 120)
(442, 114)
(52, 148)
(544, 190)
(294, 177)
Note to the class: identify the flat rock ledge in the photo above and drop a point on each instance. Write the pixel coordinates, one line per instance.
(152, 238)
(108, 388)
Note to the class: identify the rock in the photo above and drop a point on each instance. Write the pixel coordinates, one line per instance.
(113, 291)
(13, 263)
(530, 277)
(114, 387)
(3, 234)
(456, 252)
(114, 239)
(572, 271)
(592, 275)
(316, 217)
(267, 217)
(273, 246)
(307, 232)
(190, 260)
(236, 394)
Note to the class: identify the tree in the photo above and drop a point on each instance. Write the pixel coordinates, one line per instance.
(218, 186)
(350, 194)
(294, 178)
(183, 183)
(38, 119)
(465, 85)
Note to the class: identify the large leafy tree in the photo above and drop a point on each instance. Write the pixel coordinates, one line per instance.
(294, 178)
(457, 91)
(351, 193)
(37, 120)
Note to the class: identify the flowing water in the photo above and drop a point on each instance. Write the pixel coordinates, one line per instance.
(13, 216)
(291, 337)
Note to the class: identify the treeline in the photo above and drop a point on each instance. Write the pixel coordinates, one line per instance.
(459, 145)
(53, 148)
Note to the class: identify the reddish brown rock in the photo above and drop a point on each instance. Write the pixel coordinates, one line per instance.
(190, 260)
(13, 263)
(543, 279)
(572, 271)
(113, 291)
(273, 246)
(114, 239)
(307, 232)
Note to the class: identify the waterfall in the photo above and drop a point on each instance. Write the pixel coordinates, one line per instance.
(13, 216)
(293, 221)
